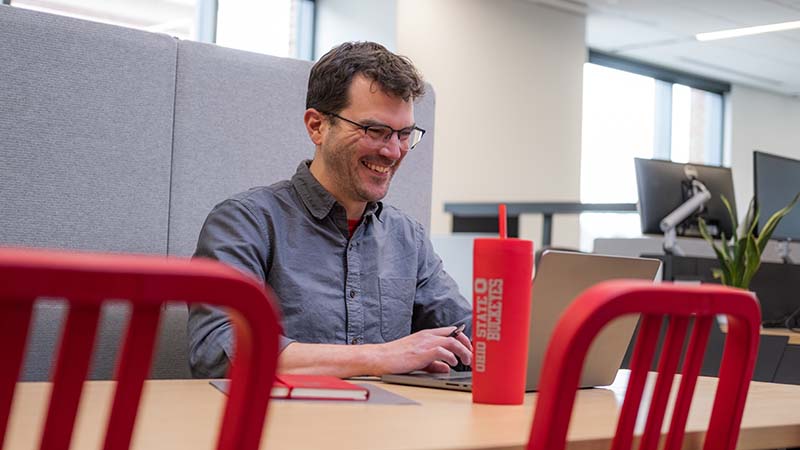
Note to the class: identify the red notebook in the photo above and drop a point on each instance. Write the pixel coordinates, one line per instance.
(316, 387)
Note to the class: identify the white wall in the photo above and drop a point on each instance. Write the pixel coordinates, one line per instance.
(508, 79)
(759, 121)
(355, 20)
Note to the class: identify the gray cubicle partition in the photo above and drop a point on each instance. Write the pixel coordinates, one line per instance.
(120, 140)
(85, 133)
(85, 147)
(238, 124)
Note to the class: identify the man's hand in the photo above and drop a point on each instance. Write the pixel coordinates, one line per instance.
(431, 350)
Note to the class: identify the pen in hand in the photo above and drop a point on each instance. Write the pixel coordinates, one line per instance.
(457, 331)
(460, 366)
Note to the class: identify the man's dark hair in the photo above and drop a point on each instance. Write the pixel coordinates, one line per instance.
(332, 75)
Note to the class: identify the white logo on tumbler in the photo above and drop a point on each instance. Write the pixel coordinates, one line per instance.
(479, 365)
(489, 308)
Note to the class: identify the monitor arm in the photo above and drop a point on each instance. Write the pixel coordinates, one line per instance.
(700, 196)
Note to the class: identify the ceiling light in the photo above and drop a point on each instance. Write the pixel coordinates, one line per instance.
(737, 32)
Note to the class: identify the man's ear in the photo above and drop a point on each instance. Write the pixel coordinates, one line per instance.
(315, 125)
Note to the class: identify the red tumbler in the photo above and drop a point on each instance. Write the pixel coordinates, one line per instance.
(502, 277)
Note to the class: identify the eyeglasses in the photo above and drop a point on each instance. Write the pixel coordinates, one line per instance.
(408, 137)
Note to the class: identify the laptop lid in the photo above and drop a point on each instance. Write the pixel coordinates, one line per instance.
(560, 278)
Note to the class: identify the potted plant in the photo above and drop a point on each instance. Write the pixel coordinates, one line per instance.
(740, 257)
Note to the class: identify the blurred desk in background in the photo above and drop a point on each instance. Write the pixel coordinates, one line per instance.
(482, 217)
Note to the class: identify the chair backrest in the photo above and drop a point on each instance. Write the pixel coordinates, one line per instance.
(88, 280)
(681, 305)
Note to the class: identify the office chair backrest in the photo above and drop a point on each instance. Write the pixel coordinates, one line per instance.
(86, 281)
(680, 305)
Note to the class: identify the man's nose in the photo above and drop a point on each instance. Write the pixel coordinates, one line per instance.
(392, 147)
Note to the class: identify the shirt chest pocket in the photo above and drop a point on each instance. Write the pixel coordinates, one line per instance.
(397, 306)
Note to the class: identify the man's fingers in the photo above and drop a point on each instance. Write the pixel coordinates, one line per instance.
(464, 341)
(444, 354)
(456, 347)
(447, 331)
(437, 367)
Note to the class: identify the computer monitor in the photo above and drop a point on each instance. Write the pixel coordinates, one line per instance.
(665, 185)
(776, 181)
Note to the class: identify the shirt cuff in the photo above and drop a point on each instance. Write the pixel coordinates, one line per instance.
(284, 342)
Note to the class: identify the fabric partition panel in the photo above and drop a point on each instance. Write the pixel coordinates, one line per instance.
(86, 113)
(85, 134)
(238, 124)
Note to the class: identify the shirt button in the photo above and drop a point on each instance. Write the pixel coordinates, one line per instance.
(352, 294)
(355, 341)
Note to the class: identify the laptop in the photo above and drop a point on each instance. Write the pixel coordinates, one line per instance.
(560, 277)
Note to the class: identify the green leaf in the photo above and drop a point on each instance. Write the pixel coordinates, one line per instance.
(753, 262)
(726, 246)
(738, 263)
(752, 213)
(751, 229)
(742, 253)
(704, 232)
(720, 275)
(734, 219)
(723, 256)
(773, 222)
(740, 258)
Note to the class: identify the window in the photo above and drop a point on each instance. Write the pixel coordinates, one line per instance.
(173, 17)
(635, 110)
(275, 27)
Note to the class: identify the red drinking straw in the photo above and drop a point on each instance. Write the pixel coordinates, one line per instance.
(501, 216)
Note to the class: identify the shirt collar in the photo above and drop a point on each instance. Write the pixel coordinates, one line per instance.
(317, 199)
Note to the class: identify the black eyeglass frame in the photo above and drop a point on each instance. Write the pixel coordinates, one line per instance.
(365, 128)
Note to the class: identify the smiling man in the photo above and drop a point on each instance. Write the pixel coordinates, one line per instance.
(361, 290)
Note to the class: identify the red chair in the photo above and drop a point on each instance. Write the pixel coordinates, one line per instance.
(681, 304)
(86, 281)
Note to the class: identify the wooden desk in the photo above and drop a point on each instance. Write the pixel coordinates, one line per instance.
(185, 415)
(794, 337)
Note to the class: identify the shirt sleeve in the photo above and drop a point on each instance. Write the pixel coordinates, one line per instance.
(437, 303)
(233, 235)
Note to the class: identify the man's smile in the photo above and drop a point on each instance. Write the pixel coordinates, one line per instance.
(379, 168)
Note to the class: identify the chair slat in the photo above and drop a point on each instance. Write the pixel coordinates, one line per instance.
(70, 371)
(691, 369)
(643, 350)
(15, 319)
(736, 369)
(667, 366)
(133, 366)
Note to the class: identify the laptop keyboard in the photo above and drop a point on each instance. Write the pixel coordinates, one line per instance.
(453, 376)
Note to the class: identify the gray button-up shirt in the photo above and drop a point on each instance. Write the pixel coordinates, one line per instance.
(381, 284)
